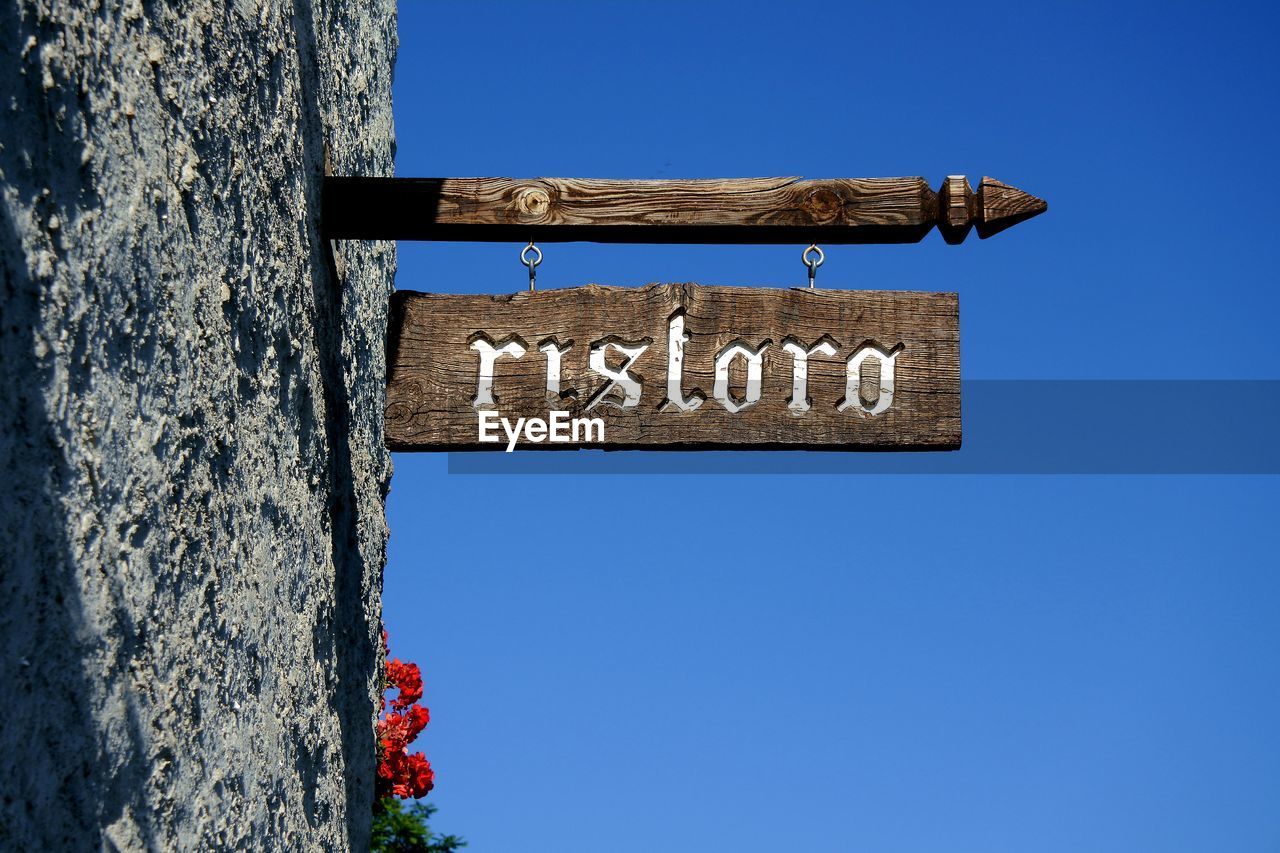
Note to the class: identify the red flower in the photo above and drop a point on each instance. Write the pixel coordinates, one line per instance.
(421, 778)
(408, 679)
(392, 765)
(414, 776)
(401, 774)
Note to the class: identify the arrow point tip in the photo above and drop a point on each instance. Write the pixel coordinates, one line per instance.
(1002, 206)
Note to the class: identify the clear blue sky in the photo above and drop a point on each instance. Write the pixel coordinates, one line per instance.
(916, 663)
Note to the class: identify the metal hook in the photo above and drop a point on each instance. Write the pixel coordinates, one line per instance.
(532, 263)
(814, 263)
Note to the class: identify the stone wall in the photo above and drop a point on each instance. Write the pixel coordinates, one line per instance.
(192, 530)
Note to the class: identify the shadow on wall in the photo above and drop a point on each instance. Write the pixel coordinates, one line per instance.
(356, 661)
(63, 774)
(83, 764)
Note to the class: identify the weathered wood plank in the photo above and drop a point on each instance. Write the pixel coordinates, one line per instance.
(742, 210)
(434, 364)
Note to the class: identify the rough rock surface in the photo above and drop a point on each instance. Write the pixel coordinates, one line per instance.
(192, 531)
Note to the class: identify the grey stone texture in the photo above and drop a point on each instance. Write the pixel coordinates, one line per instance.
(191, 531)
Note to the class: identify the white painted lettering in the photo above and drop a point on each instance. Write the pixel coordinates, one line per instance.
(755, 370)
(676, 339)
(621, 379)
(853, 379)
(799, 401)
(488, 355)
(554, 351)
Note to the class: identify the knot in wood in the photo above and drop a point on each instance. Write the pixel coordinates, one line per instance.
(823, 206)
(533, 202)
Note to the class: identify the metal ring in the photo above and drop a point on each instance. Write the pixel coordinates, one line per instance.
(813, 265)
(528, 261)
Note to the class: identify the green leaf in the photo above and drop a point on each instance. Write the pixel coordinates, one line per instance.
(401, 828)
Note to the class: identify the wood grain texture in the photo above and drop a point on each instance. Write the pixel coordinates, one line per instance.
(957, 209)
(742, 210)
(432, 370)
(1000, 206)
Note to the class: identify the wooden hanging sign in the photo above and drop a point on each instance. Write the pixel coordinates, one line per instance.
(671, 366)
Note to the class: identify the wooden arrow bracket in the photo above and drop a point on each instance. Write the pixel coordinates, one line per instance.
(733, 211)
